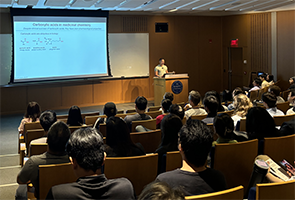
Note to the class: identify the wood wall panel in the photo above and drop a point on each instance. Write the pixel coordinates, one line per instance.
(285, 47)
(77, 95)
(106, 91)
(48, 97)
(132, 88)
(13, 100)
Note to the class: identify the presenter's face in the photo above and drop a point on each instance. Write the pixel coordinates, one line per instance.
(162, 62)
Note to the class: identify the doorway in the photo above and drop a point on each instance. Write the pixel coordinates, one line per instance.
(235, 67)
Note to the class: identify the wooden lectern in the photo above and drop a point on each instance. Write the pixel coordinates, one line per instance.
(175, 83)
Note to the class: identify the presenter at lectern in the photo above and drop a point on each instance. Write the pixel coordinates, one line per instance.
(161, 69)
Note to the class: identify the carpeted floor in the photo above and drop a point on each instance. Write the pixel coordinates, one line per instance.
(9, 158)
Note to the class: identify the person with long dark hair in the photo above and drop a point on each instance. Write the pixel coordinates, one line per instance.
(118, 140)
(75, 117)
(224, 127)
(221, 108)
(32, 114)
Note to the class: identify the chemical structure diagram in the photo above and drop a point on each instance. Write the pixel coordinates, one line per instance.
(46, 41)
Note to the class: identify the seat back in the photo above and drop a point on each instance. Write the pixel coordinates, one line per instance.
(63, 120)
(243, 124)
(140, 170)
(51, 175)
(285, 94)
(38, 148)
(254, 95)
(154, 108)
(284, 190)
(184, 121)
(32, 135)
(62, 116)
(92, 119)
(31, 126)
(103, 129)
(279, 120)
(229, 112)
(150, 140)
(173, 160)
(233, 193)
(235, 161)
(279, 148)
(261, 91)
(122, 115)
(149, 124)
(130, 111)
(283, 106)
(89, 114)
(154, 114)
(199, 117)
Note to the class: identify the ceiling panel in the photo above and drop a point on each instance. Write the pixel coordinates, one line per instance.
(6, 2)
(58, 3)
(27, 2)
(156, 4)
(109, 3)
(260, 4)
(133, 4)
(83, 3)
(274, 5)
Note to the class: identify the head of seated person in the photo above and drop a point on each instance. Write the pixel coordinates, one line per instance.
(269, 78)
(170, 126)
(166, 103)
(118, 140)
(262, 77)
(86, 151)
(160, 191)
(224, 126)
(169, 95)
(217, 96)
(110, 109)
(195, 141)
(211, 105)
(57, 138)
(242, 104)
(275, 90)
(177, 110)
(257, 82)
(33, 111)
(47, 118)
(237, 91)
(140, 104)
(269, 100)
(75, 117)
(194, 98)
(260, 124)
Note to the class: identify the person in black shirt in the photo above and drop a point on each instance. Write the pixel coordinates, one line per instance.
(195, 141)
(86, 150)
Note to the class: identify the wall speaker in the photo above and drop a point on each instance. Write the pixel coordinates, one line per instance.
(161, 27)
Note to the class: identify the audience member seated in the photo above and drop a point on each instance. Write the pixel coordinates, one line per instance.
(291, 111)
(75, 117)
(192, 108)
(109, 110)
(140, 106)
(291, 97)
(58, 136)
(288, 128)
(86, 151)
(221, 108)
(47, 118)
(166, 103)
(292, 83)
(160, 191)
(118, 140)
(269, 79)
(260, 124)
(242, 104)
(167, 95)
(195, 141)
(257, 85)
(211, 105)
(177, 110)
(269, 101)
(276, 91)
(263, 79)
(32, 115)
(235, 92)
(224, 128)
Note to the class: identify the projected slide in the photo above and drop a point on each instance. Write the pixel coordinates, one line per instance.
(59, 47)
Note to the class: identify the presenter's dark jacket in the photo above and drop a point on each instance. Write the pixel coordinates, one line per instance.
(93, 187)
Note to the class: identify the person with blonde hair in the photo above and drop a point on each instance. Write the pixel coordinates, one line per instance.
(242, 104)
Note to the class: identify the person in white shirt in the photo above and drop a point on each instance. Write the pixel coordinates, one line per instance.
(194, 99)
(291, 111)
(161, 69)
(256, 83)
(241, 104)
(270, 102)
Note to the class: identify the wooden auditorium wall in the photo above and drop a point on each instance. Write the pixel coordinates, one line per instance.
(192, 45)
(285, 47)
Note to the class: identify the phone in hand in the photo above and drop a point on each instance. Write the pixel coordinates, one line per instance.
(288, 167)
